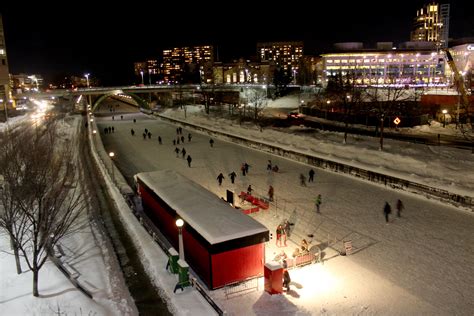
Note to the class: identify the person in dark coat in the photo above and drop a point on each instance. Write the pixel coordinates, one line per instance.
(286, 279)
(176, 150)
(311, 176)
(387, 210)
(144, 135)
(270, 193)
(246, 165)
(134, 120)
(182, 139)
(302, 180)
(211, 141)
(269, 165)
(232, 176)
(149, 135)
(243, 169)
(249, 189)
(159, 140)
(189, 159)
(174, 142)
(189, 137)
(132, 132)
(400, 207)
(220, 177)
(183, 152)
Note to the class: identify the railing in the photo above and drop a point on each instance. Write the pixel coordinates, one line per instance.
(241, 287)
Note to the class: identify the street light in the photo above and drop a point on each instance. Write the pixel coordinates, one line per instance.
(444, 114)
(141, 73)
(179, 224)
(87, 78)
(112, 155)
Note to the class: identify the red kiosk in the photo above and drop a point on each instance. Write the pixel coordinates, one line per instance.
(273, 274)
(221, 244)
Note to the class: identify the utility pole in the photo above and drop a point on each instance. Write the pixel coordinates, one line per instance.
(381, 131)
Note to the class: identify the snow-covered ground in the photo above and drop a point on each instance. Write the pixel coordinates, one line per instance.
(419, 264)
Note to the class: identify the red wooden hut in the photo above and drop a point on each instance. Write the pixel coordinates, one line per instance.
(221, 244)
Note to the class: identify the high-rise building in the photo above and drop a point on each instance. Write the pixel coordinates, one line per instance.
(5, 94)
(432, 24)
(284, 54)
(180, 62)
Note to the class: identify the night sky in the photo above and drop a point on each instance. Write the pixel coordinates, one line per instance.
(76, 38)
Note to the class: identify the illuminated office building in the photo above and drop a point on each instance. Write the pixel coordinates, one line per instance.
(5, 93)
(432, 24)
(381, 66)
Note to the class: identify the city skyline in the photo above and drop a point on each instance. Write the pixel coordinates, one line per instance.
(106, 43)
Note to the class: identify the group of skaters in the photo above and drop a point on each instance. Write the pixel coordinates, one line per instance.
(387, 210)
(310, 178)
(109, 130)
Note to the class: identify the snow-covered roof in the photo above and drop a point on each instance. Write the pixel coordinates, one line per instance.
(211, 217)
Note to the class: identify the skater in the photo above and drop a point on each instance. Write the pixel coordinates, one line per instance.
(132, 132)
(159, 140)
(318, 202)
(189, 159)
(146, 130)
(249, 189)
(182, 139)
(220, 177)
(302, 180)
(246, 165)
(275, 168)
(176, 150)
(400, 207)
(232, 176)
(279, 232)
(121, 117)
(270, 193)
(269, 165)
(286, 277)
(183, 152)
(243, 169)
(387, 210)
(189, 137)
(177, 141)
(113, 119)
(134, 120)
(211, 141)
(113, 129)
(149, 135)
(174, 142)
(144, 135)
(311, 176)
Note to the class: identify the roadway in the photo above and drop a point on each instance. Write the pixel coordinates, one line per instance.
(426, 256)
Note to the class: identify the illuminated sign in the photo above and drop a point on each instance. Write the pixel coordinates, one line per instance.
(470, 47)
(396, 121)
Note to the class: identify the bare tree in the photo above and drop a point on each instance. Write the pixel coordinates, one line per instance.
(46, 201)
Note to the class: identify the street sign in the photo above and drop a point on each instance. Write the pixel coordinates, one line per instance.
(396, 121)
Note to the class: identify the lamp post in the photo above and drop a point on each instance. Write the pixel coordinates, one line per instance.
(141, 73)
(112, 155)
(87, 79)
(444, 115)
(179, 224)
(6, 113)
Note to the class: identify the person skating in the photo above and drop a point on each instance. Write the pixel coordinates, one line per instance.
(211, 142)
(246, 166)
(242, 168)
(183, 152)
(269, 165)
(270, 193)
(249, 189)
(318, 202)
(400, 207)
(159, 140)
(189, 159)
(132, 132)
(302, 180)
(311, 176)
(176, 150)
(387, 210)
(232, 176)
(189, 137)
(220, 177)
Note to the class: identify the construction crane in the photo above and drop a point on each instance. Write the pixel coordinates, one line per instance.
(459, 82)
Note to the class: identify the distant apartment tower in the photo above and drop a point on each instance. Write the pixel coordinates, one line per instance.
(180, 62)
(432, 24)
(4, 73)
(284, 54)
